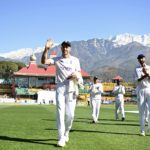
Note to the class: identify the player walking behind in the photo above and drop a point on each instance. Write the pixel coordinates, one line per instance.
(96, 91)
(119, 91)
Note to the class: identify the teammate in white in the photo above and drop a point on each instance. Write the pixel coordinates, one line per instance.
(142, 77)
(96, 90)
(119, 91)
(67, 69)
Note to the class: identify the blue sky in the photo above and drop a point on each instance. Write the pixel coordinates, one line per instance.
(28, 23)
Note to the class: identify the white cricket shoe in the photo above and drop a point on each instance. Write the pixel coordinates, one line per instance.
(97, 121)
(66, 138)
(61, 143)
(142, 133)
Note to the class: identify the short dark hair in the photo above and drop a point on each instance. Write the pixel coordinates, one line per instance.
(66, 43)
(140, 56)
(118, 81)
(95, 78)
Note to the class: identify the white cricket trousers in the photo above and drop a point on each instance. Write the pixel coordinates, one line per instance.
(96, 103)
(65, 109)
(144, 99)
(119, 107)
(146, 113)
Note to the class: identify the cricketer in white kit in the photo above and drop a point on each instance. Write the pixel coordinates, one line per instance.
(67, 72)
(96, 91)
(119, 91)
(142, 77)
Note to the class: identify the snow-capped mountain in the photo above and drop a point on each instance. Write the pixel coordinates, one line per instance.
(124, 39)
(21, 53)
(118, 40)
(97, 54)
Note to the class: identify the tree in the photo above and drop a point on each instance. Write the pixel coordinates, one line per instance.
(7, 68)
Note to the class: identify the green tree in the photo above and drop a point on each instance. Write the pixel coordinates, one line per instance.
(7, 68)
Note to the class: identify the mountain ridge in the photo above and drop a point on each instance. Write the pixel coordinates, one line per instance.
(95, 54)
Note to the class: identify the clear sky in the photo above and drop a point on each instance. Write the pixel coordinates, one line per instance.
(28, 23)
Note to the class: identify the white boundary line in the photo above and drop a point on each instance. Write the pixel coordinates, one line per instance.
(134, 111)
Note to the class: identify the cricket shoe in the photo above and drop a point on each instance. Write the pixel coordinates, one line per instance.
(66, 138)
(97, 121)
(93, 121)
(142, 133)
(123, 119)
(61, 143)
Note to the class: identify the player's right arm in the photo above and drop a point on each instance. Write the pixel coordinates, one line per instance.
(44, 59)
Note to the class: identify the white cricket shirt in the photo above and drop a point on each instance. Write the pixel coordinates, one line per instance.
(145, 83)
(65, 67)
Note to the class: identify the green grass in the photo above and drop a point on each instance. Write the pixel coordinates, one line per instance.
(33, 127)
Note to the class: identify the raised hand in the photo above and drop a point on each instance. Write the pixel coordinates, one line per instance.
(49, 44)
(146, 72)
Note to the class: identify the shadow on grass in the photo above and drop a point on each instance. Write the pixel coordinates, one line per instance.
(96, 131)
(109, 132)
(35, 141)
(122, 123)
(83, 118)
(109, 120)
(50, 129)
(120, 120)
(48, 119)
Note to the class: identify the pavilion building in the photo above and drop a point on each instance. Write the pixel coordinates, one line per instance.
(34, 77)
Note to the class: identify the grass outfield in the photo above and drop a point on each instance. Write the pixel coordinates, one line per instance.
(33, 127)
